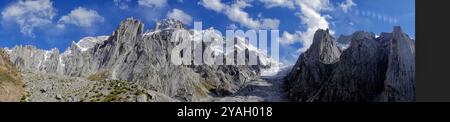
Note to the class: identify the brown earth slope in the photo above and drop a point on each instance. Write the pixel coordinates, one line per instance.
(10, 82)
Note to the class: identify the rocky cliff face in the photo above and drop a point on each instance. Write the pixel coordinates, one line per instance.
(313, 68)
(400, 76)
(371, 69)
(344, 39)
(131, 55)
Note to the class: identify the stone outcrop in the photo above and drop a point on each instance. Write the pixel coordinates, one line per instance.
(313, 68)
(400, 76)
(371, 69)
(344, 39)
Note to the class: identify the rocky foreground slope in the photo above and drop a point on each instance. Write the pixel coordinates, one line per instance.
(10, 80)
(370, 69)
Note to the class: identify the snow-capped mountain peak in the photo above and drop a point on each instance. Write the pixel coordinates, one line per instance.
(88, 42)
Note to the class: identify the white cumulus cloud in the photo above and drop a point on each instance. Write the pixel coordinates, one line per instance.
(235, 13)
(29, 14)
(153, 3)
(278, 3)
(122, 4)
(180, 15)
(81, 17)
(215, 5)
(287, 38)
(270, 23)
(310, 15)
(346, 5)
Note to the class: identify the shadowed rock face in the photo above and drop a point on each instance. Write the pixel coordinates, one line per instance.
(344, 39)
(400, 76)
(324, 47)
(313, 68)
(371, 69)
(130, 54)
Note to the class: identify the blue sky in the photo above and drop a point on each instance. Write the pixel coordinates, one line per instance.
(56, 23)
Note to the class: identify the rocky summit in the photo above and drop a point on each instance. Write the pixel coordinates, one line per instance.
(370, 69)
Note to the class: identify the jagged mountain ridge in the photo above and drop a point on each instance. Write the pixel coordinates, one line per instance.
(130, 54)
(344, 39)
(370, 69)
